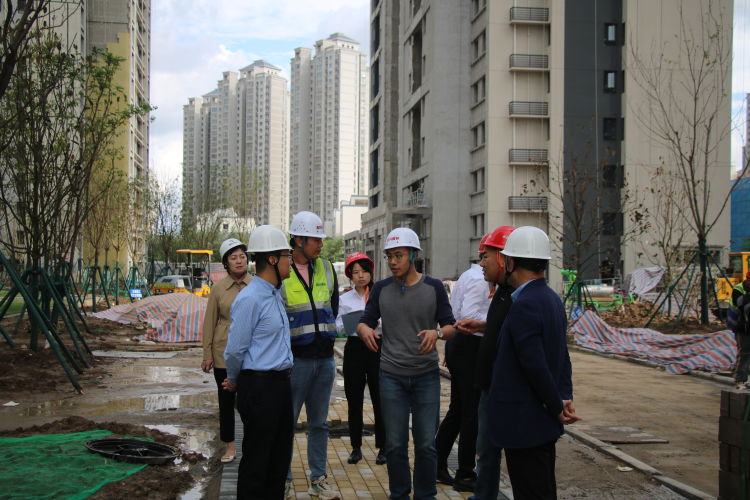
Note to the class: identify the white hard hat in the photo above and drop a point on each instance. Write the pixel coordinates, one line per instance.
(402, 237)
(528, 242)
(307, 224)
(229, 245)
(267, 238)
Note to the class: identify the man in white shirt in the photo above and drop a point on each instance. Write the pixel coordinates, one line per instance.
(470, 298)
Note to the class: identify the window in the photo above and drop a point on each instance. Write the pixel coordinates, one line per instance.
(610, 33)
(477, 225)
(374, 167)
(478, 90)
(612, 176)
(609, 129)
(477, 180)
(479, 46)
(478, 5)
(478, 135)
(611, 224)
(374, 200)
(610, 81)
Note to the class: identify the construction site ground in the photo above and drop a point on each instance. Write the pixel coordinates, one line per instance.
(674, 420)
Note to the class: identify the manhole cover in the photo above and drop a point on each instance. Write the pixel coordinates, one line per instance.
(133, 450)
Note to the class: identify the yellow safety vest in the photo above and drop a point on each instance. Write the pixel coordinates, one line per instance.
(304, 322)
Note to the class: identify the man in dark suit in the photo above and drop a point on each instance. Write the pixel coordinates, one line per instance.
(532, 390)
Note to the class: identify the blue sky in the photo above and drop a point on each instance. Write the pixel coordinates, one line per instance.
(194, 41)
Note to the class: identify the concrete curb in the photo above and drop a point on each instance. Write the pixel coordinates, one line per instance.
(616, 453)
(704, 375)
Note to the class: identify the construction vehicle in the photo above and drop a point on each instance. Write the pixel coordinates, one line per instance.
(196, 270)
(736, 272)
(174, 283)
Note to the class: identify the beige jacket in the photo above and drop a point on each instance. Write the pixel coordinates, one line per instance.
(216, 321)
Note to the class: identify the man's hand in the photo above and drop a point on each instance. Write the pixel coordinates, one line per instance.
(368, 336)
(469, 326)
(206, 365)
(568, 415)
(228, 385)
(429, 339)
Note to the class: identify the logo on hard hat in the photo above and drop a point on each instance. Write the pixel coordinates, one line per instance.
(393, 238)
(318, 227)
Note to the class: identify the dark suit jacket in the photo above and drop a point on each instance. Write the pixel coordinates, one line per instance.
(532, 373)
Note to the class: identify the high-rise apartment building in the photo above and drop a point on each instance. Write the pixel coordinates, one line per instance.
(236, 147)
(123, 28)
(491, 113)
(328, 126)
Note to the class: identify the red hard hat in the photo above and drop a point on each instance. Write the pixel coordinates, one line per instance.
(498, 237)
(351, 259)
(747, 275)
(483, 241)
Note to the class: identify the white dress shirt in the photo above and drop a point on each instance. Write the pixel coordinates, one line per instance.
(349, 302)
(470, 297)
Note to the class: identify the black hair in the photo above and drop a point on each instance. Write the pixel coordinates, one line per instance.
(533, 265)
(261, 260)
(364, 264)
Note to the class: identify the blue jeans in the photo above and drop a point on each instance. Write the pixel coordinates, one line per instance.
(489, 456)
(399, 396)
(312, 382)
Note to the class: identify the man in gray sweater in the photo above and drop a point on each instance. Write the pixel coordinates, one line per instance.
(415, 313)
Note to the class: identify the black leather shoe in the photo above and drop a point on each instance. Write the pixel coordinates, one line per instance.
(380, 459)
(355, 457)
(443, 476)
(465, 484)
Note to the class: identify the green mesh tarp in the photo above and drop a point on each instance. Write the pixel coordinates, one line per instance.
(57, 466)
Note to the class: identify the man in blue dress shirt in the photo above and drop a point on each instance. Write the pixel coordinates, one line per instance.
(259, 360)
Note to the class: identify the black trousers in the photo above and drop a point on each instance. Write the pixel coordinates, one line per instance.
(362, 367)
(226, 407)
(265, 404)
(532, 472)
(461, 418)
(742, 365)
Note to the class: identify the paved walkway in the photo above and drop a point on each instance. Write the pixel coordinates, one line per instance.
(362, 480)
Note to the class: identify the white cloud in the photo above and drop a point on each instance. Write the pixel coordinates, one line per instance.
(194, 41)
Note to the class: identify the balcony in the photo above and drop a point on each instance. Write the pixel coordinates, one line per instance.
(527, 156)
(527, 204)
(416, 199)
(527, 109)
(529, 62)
(529, 15)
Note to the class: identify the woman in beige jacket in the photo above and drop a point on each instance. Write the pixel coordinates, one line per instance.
(216, 331)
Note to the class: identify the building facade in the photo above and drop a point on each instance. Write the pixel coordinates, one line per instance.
(123, 28)
(328, 126)
(491, 113)
(236, 147)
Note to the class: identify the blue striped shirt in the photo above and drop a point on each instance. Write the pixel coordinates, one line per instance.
(259, 331)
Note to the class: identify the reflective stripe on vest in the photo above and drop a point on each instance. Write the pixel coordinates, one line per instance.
(299, 307)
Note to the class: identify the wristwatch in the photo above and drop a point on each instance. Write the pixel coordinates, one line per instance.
(439, 333)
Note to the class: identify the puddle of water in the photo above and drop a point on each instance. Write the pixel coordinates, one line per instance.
(74, 406)
(192, 439)
(150, 374)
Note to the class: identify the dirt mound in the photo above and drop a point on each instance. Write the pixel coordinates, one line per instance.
(154, 481)
(637, 314)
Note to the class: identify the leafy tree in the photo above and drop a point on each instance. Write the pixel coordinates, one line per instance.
(63, 113)
(333, 249)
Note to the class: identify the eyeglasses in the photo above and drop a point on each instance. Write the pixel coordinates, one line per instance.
(395, 257)
(287, 255)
